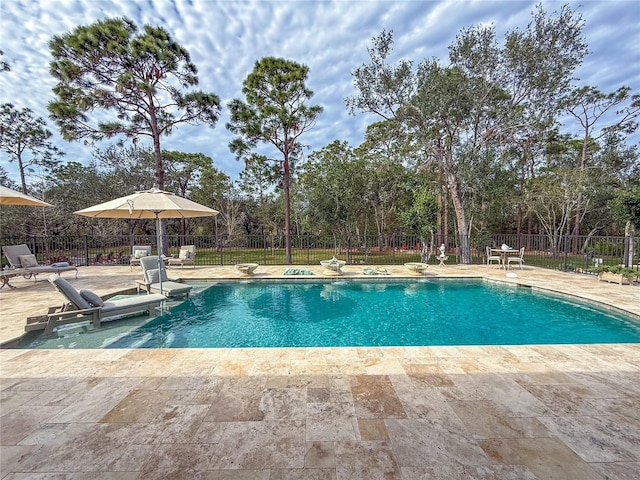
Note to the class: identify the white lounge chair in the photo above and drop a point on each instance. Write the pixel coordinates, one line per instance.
(186, 256)
(20, 257)
(137, 252)
(153, 275)
(84, 305)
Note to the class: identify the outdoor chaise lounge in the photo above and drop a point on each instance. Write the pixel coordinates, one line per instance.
(84, 305)
(152, 275)
(20, 257)
(137, 252)
(187, 256)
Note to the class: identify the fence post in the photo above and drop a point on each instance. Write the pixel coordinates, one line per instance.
(86, 249)
(566, 250)
(393, 248)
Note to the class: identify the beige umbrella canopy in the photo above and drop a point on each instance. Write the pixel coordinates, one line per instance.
(11, 197)
(152, 203)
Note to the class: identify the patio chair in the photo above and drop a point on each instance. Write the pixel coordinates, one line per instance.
(186, 256)
(492, 258)
(153, 274)
(137, 252)
(20, 257)
(519, 259)
(84, 305)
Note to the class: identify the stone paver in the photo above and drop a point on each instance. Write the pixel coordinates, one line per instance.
(486, 412)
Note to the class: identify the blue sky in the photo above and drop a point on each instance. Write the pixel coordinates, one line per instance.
(226, 38)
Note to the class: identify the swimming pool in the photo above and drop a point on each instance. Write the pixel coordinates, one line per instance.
(364, 313)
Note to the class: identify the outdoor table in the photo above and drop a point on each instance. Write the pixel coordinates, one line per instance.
(503, 252)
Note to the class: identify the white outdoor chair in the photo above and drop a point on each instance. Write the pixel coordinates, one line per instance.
(138, 252)
(492, 258)
(519, 259)
(186, 256)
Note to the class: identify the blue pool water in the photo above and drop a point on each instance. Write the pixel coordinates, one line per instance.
(376, 313)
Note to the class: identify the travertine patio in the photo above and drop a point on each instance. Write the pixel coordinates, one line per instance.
(526, 412)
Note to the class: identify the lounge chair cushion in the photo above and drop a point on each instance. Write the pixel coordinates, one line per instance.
(71, 293)
(184, 254)
(153, 275)
(139, 253)
(93, 299)
(134, 303)
(28, 260)
(170, 288)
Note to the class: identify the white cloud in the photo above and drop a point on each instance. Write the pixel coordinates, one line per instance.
(226, 37)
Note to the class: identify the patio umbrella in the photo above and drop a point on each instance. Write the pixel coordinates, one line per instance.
(152, 203)
(11, 197)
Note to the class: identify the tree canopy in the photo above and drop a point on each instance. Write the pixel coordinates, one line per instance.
(137, 81)
(486, 98)
(26, 140)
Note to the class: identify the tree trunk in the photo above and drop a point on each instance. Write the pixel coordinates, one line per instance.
(583, 166)
(287, 210)
(441, 188)
(445, 226)
(463, 225)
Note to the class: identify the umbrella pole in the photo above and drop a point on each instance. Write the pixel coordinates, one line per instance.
(159, 240)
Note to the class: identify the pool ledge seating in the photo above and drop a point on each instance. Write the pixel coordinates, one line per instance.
(86, 306)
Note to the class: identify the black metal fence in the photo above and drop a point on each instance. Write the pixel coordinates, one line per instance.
(562, 253)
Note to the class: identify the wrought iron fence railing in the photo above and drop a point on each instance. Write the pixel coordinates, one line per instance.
(563, 252)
